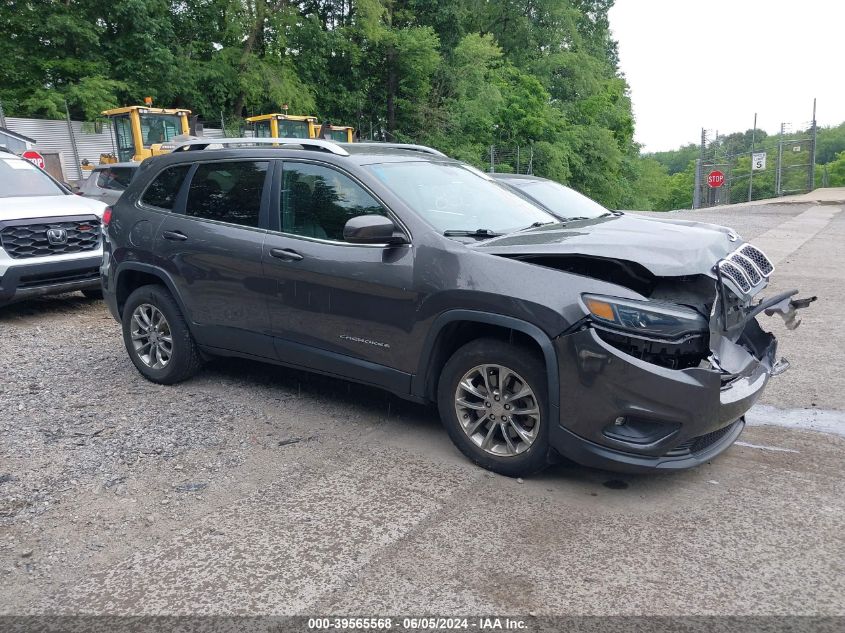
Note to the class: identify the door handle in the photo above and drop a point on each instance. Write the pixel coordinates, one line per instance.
(174, 236)
(285, 254)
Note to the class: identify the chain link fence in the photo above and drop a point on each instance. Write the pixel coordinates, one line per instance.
(778, 165)
(516, 159)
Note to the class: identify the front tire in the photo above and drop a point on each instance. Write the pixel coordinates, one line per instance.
(157, 337)
(493, 401)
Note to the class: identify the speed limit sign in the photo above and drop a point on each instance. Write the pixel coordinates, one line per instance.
(758, 161)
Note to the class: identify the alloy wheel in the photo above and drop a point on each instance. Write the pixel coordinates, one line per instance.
(152, 339)
(498, 410)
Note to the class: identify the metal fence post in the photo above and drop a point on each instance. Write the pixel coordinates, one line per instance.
(813, 152)
(779, 173)
(492, 159)
(73, 144)
(696, 194)
(751, 162)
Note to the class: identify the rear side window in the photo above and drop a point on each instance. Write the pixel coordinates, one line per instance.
(227, 191)
(116, 178)
(163, 189)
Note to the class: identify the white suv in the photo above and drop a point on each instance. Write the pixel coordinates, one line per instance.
(108, 182)
(50, 239)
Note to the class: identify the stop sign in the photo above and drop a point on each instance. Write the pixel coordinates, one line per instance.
(715, 178)
(34, 157)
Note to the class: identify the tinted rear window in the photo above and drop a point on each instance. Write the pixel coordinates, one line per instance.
(227, 191)
(19, 177)
(162, 191)
(117, 178)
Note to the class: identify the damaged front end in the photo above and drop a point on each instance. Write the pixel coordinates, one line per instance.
(738, 344)
(665, 382)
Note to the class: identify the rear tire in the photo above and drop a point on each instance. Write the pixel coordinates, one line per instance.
(493, 401)
(157, 337)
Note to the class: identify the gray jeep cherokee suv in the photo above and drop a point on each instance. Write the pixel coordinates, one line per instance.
(614, 340)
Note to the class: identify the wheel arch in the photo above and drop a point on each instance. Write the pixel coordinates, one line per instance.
(448, 332)
(133, 275)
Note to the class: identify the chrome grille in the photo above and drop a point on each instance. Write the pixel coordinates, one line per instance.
(735, 274)
(750, 270)
(23, 241)
(758, 257)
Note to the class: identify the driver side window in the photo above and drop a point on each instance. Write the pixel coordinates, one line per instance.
(318, 201)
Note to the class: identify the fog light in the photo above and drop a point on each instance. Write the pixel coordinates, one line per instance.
(639, 431)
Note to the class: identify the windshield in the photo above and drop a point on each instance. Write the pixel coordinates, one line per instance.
(19, 177)
(261, 129)
(293, 129)
(159, 128)
(560, 200)
(458, 198)
(339, 136)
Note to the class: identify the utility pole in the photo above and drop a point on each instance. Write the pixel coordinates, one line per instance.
(696, 194)
(751, 162)
(778, 173)
(73, 144)
(699, 165)
(813, 152)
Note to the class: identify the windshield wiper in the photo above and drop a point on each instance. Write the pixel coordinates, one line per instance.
(473, 233)
(536, 225)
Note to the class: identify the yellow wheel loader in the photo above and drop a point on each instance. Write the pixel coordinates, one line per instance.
(283, 126)
(140, 131)
(294, 126)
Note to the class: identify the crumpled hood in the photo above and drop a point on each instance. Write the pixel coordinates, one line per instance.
(28, 207)
(666, 247)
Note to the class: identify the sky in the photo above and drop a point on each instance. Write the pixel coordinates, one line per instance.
(714, 63)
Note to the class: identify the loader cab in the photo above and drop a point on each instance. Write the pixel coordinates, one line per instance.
(140, 131)
(283, 126)
(341, 133)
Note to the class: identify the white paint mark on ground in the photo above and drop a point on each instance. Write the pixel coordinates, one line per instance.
(786, 238)
(776, 449)
(819, 420)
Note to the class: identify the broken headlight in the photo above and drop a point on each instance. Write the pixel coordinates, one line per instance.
(645, 318)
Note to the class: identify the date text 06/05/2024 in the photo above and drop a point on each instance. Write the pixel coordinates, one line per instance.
(415, 623)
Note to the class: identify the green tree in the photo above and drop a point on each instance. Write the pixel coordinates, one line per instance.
(836, 171)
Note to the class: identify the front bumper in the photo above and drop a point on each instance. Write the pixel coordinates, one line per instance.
(621, 413)
(32, 279)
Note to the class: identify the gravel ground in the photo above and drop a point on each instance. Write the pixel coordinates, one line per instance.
(88, 444)
(255, 489)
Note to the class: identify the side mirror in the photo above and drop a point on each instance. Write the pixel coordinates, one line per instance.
(372, 229)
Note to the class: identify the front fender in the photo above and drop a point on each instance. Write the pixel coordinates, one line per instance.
(421, 378)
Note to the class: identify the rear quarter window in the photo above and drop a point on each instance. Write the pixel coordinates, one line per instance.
(164, 188)
(116, 178)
